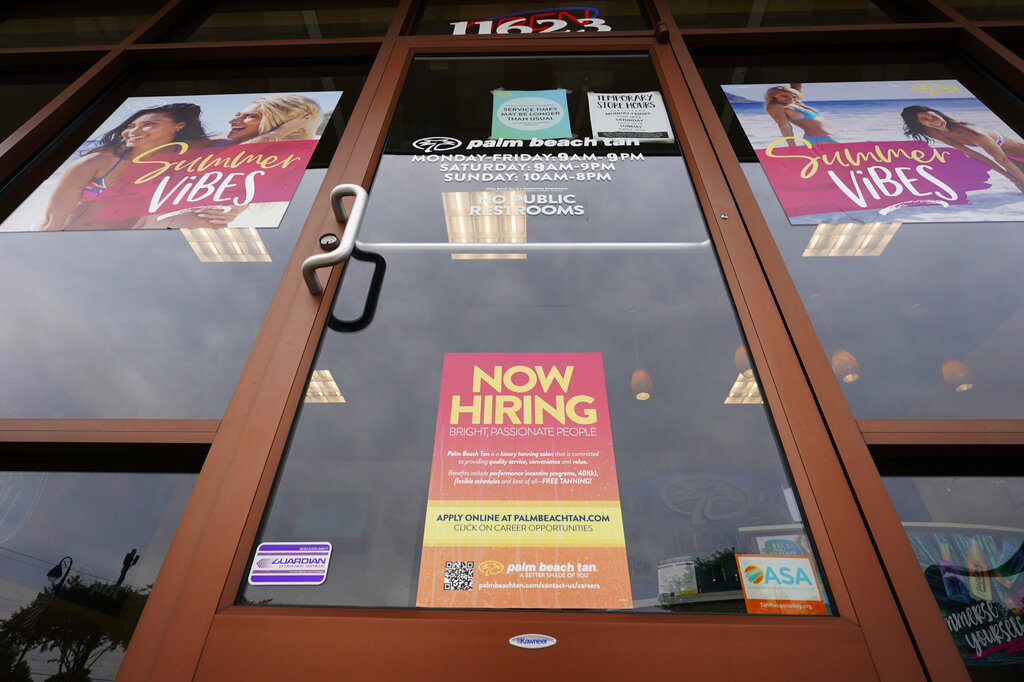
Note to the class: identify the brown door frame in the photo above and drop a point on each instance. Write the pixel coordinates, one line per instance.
(822, 446)
(850, 437)
(191, 624)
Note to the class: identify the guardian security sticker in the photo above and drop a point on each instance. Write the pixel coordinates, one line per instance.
(290, 563)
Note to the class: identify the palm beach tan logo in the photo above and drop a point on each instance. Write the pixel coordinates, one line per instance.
(491, 567)
(706, 498)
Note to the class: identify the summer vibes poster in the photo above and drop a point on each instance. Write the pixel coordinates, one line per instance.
(892, 151)
(183, 161)
(523, 509)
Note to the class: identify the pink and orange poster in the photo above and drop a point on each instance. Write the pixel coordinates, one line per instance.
(198, 161)
(523, 509)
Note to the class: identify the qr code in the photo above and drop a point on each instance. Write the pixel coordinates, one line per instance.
(458, 575)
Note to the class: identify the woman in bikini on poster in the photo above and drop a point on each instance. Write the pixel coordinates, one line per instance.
(88, 182)
(786, 107)
(274, 118)
(1005, 155)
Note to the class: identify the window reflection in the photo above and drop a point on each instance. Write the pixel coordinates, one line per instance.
(78, 556)
(470, 217)
(322, 388)
(968, 537)
(149, 323)
(32, 89)
(850, 239)
(701, 488)
(263, 20)
(226, 245)
(34, 24)
(918, 320)
(744, 391)
(989, 10)
(754, 13)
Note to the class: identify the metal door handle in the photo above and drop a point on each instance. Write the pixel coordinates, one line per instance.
(348, 237)
(372, 294)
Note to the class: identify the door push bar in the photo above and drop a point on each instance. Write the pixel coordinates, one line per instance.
(348, 237)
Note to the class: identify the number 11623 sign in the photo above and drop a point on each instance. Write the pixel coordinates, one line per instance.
(556, 20)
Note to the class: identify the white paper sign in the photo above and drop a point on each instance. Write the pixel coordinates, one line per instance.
(629, 115)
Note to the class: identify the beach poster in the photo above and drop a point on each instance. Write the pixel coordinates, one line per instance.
(888, 151)
(523, 507)
(183, 161)
(530, 114)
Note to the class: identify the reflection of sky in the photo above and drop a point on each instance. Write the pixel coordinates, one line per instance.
(380, 441)
(659, 184)
(96, 519)
(374, 451)
(939, 290)
(129, 324)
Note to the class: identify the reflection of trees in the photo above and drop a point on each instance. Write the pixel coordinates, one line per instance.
(78, 627)
(718, 571)
(15, 670)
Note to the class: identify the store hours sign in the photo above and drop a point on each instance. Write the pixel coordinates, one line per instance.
(553, 20)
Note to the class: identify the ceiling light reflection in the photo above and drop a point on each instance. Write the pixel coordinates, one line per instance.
(226, 244)
(744, 391)
(322, 388)
(850, 239)
(470, 219)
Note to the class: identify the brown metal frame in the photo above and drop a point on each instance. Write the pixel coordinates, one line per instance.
(191, 627)
(917, 604)
(887, 650)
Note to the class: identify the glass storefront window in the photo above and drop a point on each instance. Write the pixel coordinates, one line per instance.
(261, 20)
(151, 323)
(989, 10)
(968, 535)
(32, 89)
(756, 13)
(33, 24)
(919, 316)
(79, 553)
(520, 18)
(667, 496)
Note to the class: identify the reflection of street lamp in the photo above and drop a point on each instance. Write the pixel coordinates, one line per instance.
(58, 574)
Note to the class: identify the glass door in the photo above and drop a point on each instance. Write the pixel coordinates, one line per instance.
(532, 419)
(550, 377)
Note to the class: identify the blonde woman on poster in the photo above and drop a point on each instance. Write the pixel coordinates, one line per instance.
(75, 200)
(273, 118)
(1005, 155)
(786, 107)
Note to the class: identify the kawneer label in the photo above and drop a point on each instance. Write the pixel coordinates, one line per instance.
(532, 641)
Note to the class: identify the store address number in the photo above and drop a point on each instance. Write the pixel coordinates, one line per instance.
(563, 20)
